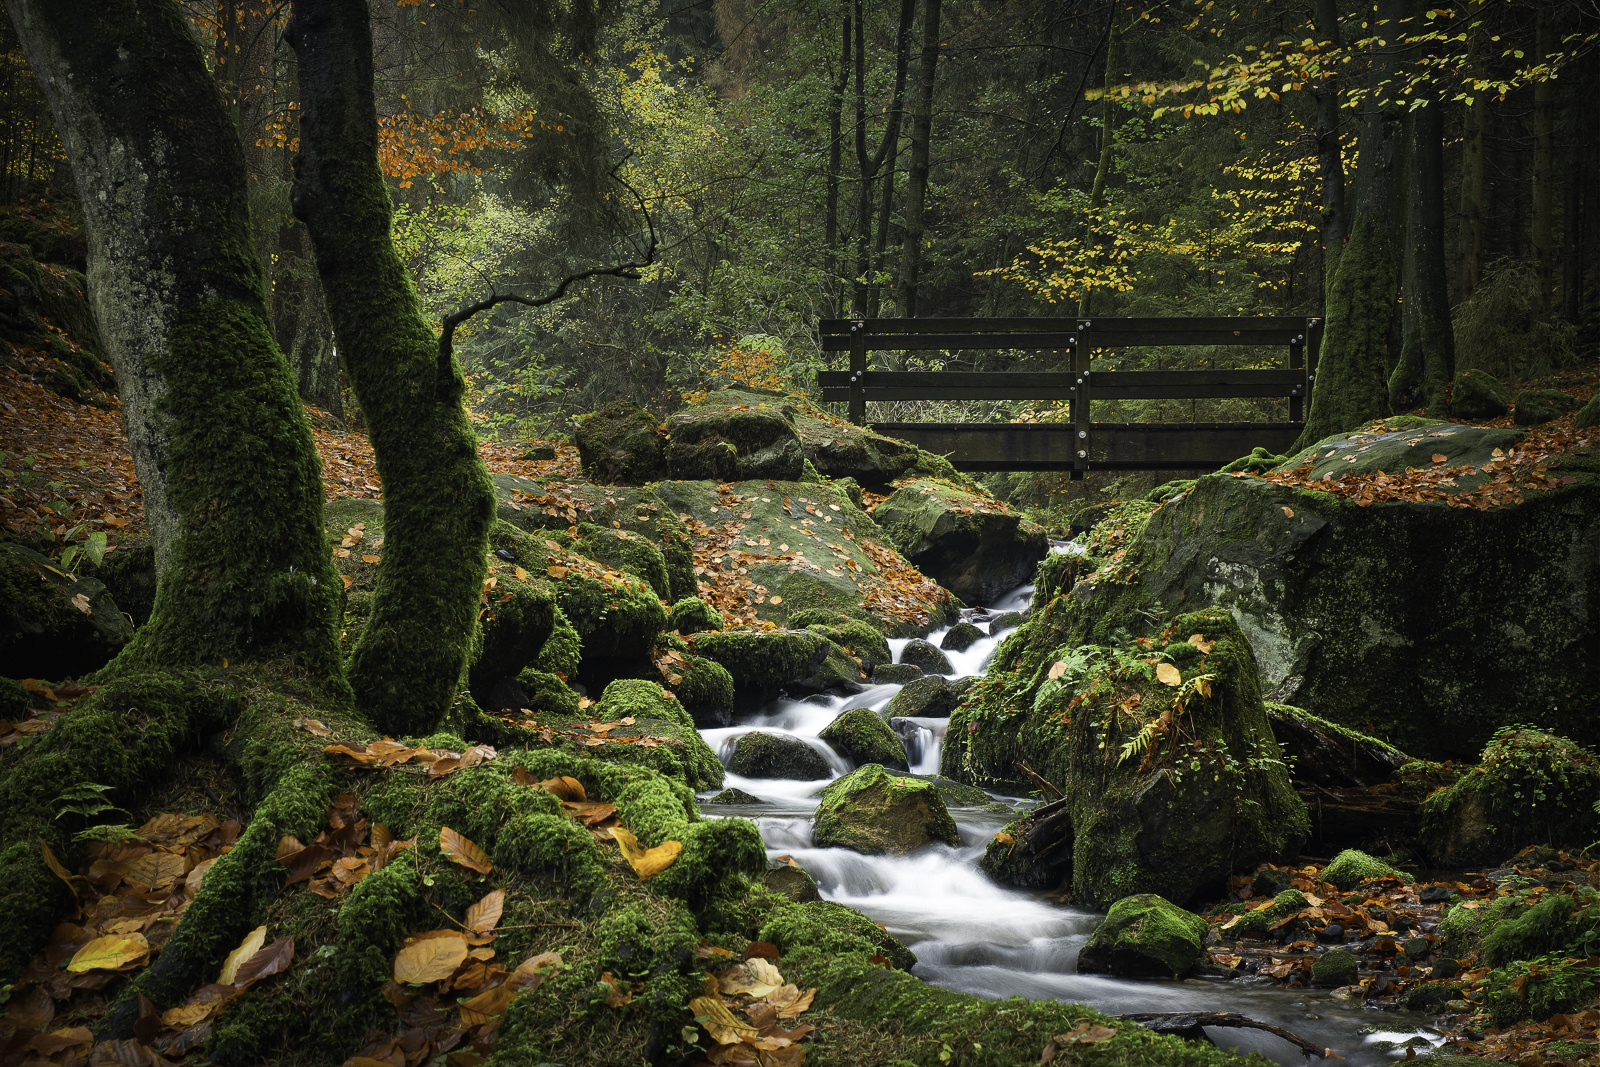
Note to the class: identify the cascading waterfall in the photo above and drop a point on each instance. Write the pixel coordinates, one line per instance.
(978, 937)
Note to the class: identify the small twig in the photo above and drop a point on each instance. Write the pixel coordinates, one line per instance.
(535, 926)
(1031, 773)
(1226, 1018)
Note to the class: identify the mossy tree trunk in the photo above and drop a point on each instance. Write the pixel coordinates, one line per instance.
(1475, 118)
(917, 178)
(1108, 115)
(1362, 307)
(1330, 154)
(438, 501)
(231, 480)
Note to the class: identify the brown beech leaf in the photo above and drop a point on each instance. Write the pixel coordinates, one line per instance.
(1167, 674)
(1199, 641)
(757, 976)
(764, 949)
(274, 959)
(1058, 668)
(460, 850)
(788, 1000)
(719, 1022)
(484, 916)
(531, 972)
(249, 947)
(565, 788)
(430, 959)
(312, 726)
(158, 870)
(646, 862)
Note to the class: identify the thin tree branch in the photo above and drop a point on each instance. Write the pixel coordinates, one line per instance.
(1172, 1021)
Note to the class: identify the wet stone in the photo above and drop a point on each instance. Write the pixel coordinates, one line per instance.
(1333, 933)
(895, 673)
(926, 698)
(1434, 894)
(922, 654)
(960, 637)
(759, 755)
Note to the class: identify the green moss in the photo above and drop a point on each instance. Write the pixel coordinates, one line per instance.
(563, 651)
(1530, 788)
(547, 694)
(764, 658)
(621, 444)
(513, 627)
(1558, 922)
(875, 813)
(706, 689)
(1336, 967)
(1539, 988)
(1463, 929)
(862, 640)
(1144, 936)
(658, 713)
(1259, 922)
(693, 615)
(733, 436)
(825, 927)
(627, 552)
(1351, 867)
(861, 736)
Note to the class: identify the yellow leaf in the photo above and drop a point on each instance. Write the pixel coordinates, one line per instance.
(370, 559)
(112, 953)
(484, 916)
(646, 862)
(557, 572)
(187, 1015)
(719, 1022)
(463, 851)
(432, 959)
(1167, 674)
(522, 575)
(250, 946)
(1199, 641)
(157, 869)
(1288, 513)
(788, 1001)
(756, 976)
(1058, 668)
(1004, 838)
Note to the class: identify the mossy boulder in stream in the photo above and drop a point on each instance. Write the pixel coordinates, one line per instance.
(877, 813)
(971, 544)
(1172, 778)
(692, 615)
(861, 736)
(1352, 867)
(1530, 788)
(764, 755)
(761, 662)
(1426, 624)
(732, 436)
(1144, 936)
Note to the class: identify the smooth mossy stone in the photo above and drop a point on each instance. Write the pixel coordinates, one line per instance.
(1144, 936)
(1478, 395)
(621, 443)
(791, 882)
(877, 813)
(733, 796)
(759, 755)
(1006, 620)
(691, 615)
(1352, 867)
(895, 673)
(1535, 406)
(922, 654)
(1336, 967)
(860, 735)
(928, 697)
(960, 637)
(1256, 924)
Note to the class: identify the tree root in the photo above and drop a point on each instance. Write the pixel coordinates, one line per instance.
(1189, 1024)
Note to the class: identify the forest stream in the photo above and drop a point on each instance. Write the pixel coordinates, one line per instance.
(975, 936)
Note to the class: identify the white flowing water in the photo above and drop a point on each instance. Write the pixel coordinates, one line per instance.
(974, 936)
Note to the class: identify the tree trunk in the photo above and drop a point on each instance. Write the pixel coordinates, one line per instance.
(1544, 99)
(438, 501)
(1427, 354)
(1097, 194)
(858, 302)
(917, 179)
(835, 159)
(869, 251)
(1469, 250)
(1362, 298)
(231, 480)
(1330, 154)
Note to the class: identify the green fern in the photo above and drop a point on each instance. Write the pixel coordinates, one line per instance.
(86, 799)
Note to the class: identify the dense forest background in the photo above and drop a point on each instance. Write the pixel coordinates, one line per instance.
(776, 163)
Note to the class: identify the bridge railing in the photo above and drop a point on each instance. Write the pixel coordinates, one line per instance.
(1077, 445)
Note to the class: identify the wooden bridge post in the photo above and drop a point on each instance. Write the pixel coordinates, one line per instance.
(858, 370)
(1080, 402)
(1313, 353)
(1297, 361)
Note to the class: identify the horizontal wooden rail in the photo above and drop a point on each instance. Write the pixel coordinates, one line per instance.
(999, 446)
(1077, 445)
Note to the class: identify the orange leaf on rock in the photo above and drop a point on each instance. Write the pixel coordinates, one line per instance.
(430, 959)
(646, 862)
(460, 850)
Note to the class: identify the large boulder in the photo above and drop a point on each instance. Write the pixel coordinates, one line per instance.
(622, 444)
(877, 813)
(763, 755)
(1476, 394)
(1426, 617)
(764, 662)
(840, 449)
(972, 545)
(550, 508)
(794, 548)
(1531, 407)
(656, 714)
(1171, 776)
(54, 623)
(732, 436)
(928, 697)
(1144, 936)
(861, 736)
(1530, 788)
(922, 654)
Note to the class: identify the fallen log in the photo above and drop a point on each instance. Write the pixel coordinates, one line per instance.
(1186, 1023)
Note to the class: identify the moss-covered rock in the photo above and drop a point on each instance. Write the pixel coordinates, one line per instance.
(763, 755)
(1530, 788)
(768, 660)
(877, 813)
(547, 508)
(923, 654)
(970, 544)
(562, 653)
(840, 449)
(792, 882)
(1152, 810)
(895, 673)
(864, 642)
(622, 444)
(733, 436)
(518, 617)
(861, 736)
(56, 624)
(625, 551)
(1531, 407)
(706, 689)
(545, 694)
(1259, 921)
(1144, 936)
(928, 697)
(826, 927)
(1435, 624)
(1476, 394)
(1329, 754)
(129, 571)
(1462, 930)
(805, 548)
(1352, 867)
(960, 637)
(1588, 415)
(657, 713)
(691, 615)
(1336, 967)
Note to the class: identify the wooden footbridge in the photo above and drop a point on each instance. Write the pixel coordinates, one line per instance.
(1076, 445)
